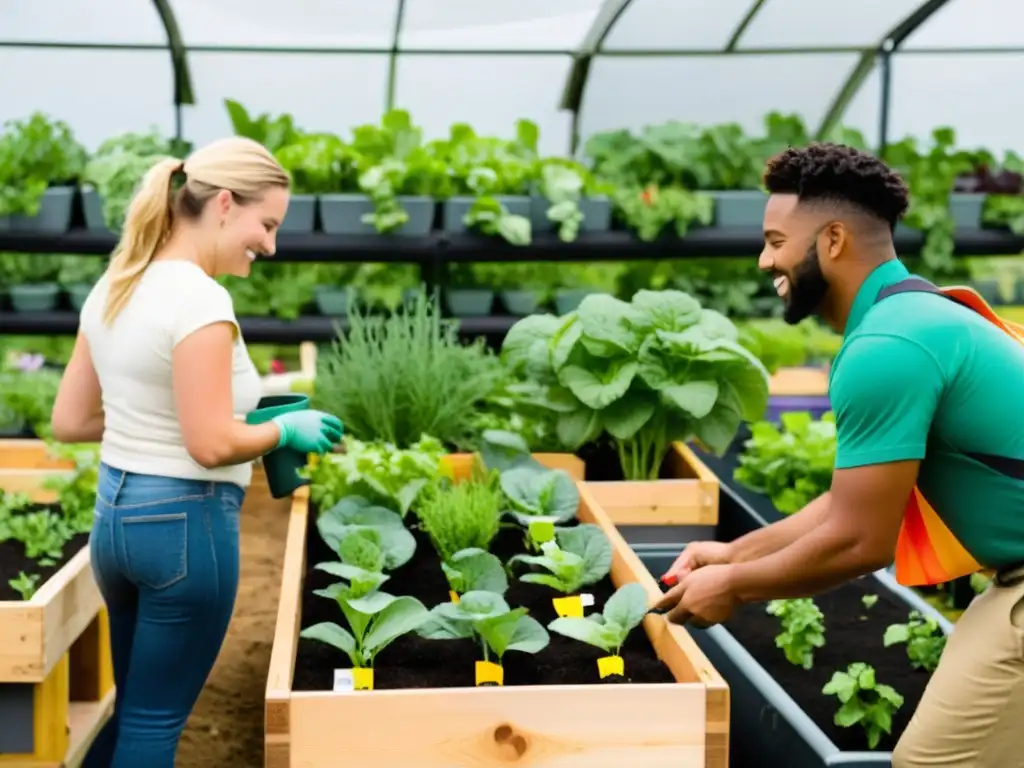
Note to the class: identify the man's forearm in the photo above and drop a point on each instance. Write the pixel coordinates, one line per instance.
(778, 536)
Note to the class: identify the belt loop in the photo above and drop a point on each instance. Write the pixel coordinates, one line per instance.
(121, 475)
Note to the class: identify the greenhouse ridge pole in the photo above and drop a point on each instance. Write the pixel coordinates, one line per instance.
(887, 46)
(183, 93)
(572, 95)
(389, 98)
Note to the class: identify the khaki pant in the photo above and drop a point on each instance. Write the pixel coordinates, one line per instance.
(972, 712)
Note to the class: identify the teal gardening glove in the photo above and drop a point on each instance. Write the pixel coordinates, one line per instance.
(308, 431)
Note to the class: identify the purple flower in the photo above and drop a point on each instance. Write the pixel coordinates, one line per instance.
(29, 362)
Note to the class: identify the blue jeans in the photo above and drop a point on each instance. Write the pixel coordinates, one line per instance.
(165, 556)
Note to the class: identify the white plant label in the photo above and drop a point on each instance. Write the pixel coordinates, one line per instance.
(586, 599)
(344, 682)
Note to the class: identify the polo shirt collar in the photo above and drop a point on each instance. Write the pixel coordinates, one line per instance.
(885, 274)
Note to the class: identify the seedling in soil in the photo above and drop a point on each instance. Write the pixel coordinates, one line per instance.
(25, 584)
(581, 555)
(461, 516)
(486, 617)
(382, 526)
(803, 629)
(608, 630)
(535, 492)
(474, 570)
(863, 701)
(925, 641)
(375, 618)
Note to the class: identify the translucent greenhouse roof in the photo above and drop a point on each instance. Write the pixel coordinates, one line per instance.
(573, 66)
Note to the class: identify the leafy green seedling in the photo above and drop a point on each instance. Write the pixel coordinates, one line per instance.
(580, 555)
(475, 570)
(803, 629)
(487, 618)
(925, 641)
(375, 618)
(609, 629)
(25, 584)
(863, 701)
(356, 514)
(869, 600)
(535, 492)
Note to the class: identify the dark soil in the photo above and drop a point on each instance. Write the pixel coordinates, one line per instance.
(602, 463)
(852, 633)
(412, 662)
(14, 561)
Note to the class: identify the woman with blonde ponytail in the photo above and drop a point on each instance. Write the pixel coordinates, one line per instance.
(159, 376)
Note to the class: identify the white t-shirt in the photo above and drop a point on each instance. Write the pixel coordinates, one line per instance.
(132, 357)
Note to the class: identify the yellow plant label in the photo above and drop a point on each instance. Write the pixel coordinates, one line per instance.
(453, 595)
(611, 665)
(489, 673)
(568, 607)
(542, 531)
(363, 679)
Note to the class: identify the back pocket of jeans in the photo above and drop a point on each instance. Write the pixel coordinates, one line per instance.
(156, 548)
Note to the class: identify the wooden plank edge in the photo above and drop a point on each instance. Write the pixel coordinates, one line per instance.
(276, 711)
(29, 453)
(86, 719)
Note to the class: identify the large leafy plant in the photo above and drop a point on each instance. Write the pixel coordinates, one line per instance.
(649, 372)
(791, 464)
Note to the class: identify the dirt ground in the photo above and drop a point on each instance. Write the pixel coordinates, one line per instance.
(226, 727)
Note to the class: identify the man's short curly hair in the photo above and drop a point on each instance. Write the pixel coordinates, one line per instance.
(840, 174)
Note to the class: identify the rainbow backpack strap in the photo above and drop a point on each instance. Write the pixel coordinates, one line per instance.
(927, 552)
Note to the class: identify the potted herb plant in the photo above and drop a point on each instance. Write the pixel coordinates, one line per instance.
(394, 179)
(40, 164)
(564, 201)
(31, 280)
(77, 276)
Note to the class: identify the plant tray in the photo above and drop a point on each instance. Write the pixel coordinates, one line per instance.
(689, 497)
(56, 677)
(788, 382)
(682, 723)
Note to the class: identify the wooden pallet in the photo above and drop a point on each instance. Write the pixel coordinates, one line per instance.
(685, 725)
(55, 648)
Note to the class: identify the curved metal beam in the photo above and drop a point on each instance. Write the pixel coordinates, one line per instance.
(572, 95)
(889, 43)
(389, 98)
(745, 22)
(183, 93)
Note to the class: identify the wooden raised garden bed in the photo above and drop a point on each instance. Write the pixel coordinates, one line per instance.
(780, 715)
(426, 710)
(788, 382)
(687, 494)
(56, 676)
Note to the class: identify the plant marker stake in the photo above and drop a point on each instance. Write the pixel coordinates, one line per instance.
(489, 673)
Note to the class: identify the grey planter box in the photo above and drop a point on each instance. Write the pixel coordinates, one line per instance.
(767, 727)
(301, 216)
(567, 299)
(989, 290)
(471, 302)
(54, 213)
(455, 209)
(92, 205)
(597, 214)
(966, 209)
(77, 294)
(342, 215)
(520, 302)
(40, 297)
(739, 208)
(333, 302)
(5, 223)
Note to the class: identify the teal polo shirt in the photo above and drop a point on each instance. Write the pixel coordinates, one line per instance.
(921, 377)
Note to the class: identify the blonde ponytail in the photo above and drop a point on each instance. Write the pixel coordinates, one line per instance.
(146, 226)
(242, 166)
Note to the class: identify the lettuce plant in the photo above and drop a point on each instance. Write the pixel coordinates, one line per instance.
(581, 555)
(648, 372)
(803, 629)
(375, 618)
(487, 618)
(609, 629)
(863, 701)
(925, 641)
(475, 570)
(379, 528)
